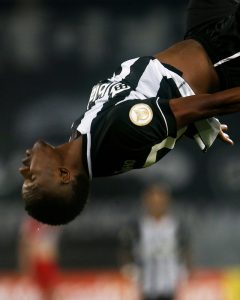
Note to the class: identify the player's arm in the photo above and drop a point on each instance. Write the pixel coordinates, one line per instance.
(193, 108)
(187, 110)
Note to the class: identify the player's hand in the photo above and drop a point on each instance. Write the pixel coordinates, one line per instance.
(223, 136)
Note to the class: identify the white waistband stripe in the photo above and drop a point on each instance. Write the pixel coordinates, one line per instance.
(227, 59)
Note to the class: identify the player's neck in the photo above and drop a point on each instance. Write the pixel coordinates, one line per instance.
(71, 153)
(190, 57)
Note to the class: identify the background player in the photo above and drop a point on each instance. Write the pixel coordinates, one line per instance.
(159, 244)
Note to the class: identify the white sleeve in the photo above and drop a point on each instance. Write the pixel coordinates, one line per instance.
(207, 132)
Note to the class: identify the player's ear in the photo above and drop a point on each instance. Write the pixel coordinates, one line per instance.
(65, 175)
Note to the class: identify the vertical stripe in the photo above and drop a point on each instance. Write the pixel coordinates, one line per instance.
(165, 121)
(170, 75)
(132, 71)
(89, 154)
(150, 80)
(125, 69)
(85, 128)
(136, 72)
(154, 273)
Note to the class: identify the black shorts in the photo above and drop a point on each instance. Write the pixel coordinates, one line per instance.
(216, 25)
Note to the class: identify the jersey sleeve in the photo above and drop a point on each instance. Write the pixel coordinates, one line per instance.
(145, 121)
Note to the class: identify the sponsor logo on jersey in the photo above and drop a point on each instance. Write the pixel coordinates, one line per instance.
(141, 114)
(107, 89)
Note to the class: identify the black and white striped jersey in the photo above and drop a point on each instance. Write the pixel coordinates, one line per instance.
(160, 249)
(128, 123)
(159, 252)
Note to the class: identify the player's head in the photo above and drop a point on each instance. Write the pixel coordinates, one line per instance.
(53, 192)
(156, 200)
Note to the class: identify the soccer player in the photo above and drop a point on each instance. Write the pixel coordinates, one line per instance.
(137, 115)
(157, 245)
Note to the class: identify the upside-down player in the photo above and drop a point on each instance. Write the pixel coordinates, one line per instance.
(137, 115)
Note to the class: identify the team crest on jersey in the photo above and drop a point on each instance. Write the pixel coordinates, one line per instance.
(141, 114)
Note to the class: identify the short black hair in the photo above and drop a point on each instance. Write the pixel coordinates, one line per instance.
(57, 209)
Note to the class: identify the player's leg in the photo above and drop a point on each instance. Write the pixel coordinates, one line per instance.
(216, 25)
(200, 12)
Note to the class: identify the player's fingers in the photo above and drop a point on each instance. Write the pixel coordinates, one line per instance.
(224, 127)
(225, 137)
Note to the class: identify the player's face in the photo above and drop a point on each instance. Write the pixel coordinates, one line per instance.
(39, 166)
(157, 203)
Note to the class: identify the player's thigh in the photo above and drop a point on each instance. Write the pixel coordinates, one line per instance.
(220, 37)
(203, 11)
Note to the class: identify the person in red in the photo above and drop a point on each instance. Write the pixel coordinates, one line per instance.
(38, 254)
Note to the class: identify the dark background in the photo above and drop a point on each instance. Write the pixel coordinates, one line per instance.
(51, 54)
